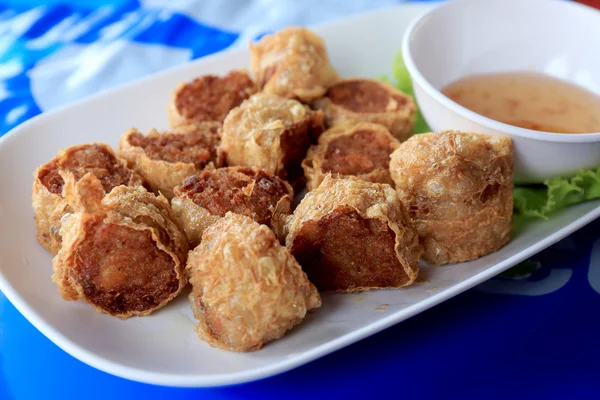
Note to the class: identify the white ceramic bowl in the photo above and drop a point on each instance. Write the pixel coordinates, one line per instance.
(465, 37)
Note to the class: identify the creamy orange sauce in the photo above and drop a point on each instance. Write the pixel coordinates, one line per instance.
(529, 100)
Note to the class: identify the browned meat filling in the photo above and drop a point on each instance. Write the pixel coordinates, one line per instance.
(360, 153)
(240, 190)
(345, 251)
(90, 158)
(198, 148)
(122, 269)
(362, 96)
(210, 98)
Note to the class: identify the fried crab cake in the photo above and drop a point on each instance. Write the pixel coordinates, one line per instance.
(209, 98)
(122, 252)
(365, 100)
(270, 133)
(247, 289)
(47, 199)
(362, 150)
(351, 235)
(165, 159)
(457, 188)
(204, 198)
(292, 63)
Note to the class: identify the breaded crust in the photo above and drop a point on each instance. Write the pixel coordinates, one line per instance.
(270, 133)
(362, 150)
(292, 63)
(122, 253)
(366, 100)
(209, 98)
(165, 159)
(457, 188)
(204, 198)
(247, 289)
(351, 235)
(47, 198)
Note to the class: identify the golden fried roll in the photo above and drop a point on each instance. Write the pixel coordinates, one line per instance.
(204, 198)
(122, 253)
(165, 159)
(270, 133)
(365, 100)
(457, 188)
(48, 202)
(209, 98)
(362, 150)
(351, 235)
(292, 63)
(247, 289)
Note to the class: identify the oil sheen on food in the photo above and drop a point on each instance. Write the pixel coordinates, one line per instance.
(529, 100)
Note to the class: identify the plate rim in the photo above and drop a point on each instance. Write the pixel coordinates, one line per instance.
(253, 374)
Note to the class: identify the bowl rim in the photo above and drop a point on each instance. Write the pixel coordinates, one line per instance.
(464, 112)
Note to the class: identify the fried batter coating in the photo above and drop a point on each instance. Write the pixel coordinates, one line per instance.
(247, 289)
(47, 199)
(457, 188)
(365, 100)
(122, 253)
(292, 63)
(351, 235)
(165, 159)
(204, 198)
(270, 133)
(361, 150)
(209, 98)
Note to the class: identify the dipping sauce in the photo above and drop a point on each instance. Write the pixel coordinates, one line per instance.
(529, 100)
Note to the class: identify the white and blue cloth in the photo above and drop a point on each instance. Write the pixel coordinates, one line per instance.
(53, 53)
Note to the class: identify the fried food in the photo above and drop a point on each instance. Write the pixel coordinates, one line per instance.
(365, 100)
(457, 188)
(270, 133)
(351, 235)
(362, 150)
(47, 199)
(204, 198)
(122, 253)
(209, 98)
(292, 63)
(247, 289)
(165, 159)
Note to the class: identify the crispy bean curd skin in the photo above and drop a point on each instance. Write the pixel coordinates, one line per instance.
(365, 100)
(122, 252)
(292, 63)
(47, 199)
(247, 289)
(351, 235)
(209, 98)
(457, 188)
(165, 159)
(204, 198)
(362, 150)
(270, 133)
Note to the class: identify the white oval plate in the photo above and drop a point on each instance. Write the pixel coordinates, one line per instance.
(163, 348)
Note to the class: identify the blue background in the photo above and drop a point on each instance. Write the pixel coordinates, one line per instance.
(477, 345)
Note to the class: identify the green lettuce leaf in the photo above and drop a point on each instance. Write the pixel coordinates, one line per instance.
(401, 80)
(541, 201)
